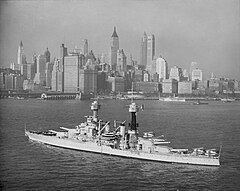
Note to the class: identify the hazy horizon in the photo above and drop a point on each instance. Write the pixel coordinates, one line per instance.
(204, 31)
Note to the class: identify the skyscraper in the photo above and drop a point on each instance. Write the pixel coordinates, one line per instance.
(13, 66)
(20, 53)
(63, 53)
(176, 73)
(150, 49)
(71, 73)
(161, 68)
(121, 61)
(47, 55)
(87, 81)
(186, 75)
(197, 74)
(30, 71)
(143, 50)
(114, 46)
(21, 60)
(85, 47)
(193, 65)
(34, 61)
(48, 73)
(40, 77)
(55, 74)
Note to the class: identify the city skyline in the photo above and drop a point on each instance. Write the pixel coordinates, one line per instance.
(183, 32)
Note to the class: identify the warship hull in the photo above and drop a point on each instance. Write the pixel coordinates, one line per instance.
(93, 146)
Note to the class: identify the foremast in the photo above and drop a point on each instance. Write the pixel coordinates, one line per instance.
(95, 107)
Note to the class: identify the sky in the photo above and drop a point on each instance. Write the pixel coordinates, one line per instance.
(204, 31)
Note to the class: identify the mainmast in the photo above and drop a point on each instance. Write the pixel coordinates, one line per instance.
(133, 109)
(133, 132)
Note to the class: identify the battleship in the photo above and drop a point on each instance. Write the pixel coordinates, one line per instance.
(95, 135)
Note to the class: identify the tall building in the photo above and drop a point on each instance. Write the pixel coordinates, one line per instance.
(121, 61)
(71, 73)
(40, 77)
(21, 60)
(114, 46)
(162, 68)
(55, 75)
(20, 53)
(30, 71)
(90, 56)
(155, 77)
(18, 82)
(34, 61)
(9, 82)
(150, 49)
(23, 67)
(186, 75)
(193, 65)
(63, 53)
(215, 85)
(185, 87)
(2, 81)
(138, 75)
(58, 71)
(197, 74)
(77, 79)
(88, 81)
(116, 84)
(151, 68)
(176, 73)
(48, 72)
(170, 86)
(85, 47)
(146, 76)
(47, 55)
(101, 81)
(143, 50)
(13, 66)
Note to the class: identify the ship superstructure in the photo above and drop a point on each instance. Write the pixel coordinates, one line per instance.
(95, 135)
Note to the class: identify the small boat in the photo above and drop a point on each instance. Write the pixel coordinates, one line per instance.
(172, 99)
(20, 97)
(227, 100)
(200, 103)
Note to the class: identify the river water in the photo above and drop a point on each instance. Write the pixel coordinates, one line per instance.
(26, 165)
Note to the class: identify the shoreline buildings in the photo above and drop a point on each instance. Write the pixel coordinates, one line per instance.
(80, 71)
